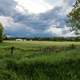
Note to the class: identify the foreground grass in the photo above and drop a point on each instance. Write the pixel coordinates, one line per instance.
(34, 60)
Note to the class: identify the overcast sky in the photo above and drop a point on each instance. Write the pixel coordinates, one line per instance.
(35, 17)
(39, 6)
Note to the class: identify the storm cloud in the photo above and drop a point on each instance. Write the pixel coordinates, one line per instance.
(21, 23)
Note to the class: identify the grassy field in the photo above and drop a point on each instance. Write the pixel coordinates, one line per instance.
(39, 60)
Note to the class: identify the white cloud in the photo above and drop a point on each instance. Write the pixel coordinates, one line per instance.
(6, 20)
(20, 9)
(71, 34)
(34, 6)
(55, 31)
(66, 5)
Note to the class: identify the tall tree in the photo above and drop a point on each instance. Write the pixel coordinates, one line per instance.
(1, 32)
(74, 17)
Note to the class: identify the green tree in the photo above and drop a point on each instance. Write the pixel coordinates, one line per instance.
(1, 32)
(74, 17)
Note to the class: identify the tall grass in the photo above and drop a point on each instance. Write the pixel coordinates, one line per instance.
(32, 61)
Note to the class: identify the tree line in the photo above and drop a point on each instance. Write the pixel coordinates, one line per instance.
(44, 39)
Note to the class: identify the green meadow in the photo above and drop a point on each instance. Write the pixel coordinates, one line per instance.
(39, 60)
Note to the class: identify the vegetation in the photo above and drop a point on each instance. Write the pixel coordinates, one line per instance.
(45, 39)
(39, 60)
(74, 17)
(1, 32)
(42, 60)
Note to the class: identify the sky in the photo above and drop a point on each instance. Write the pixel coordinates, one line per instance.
(35, 17)
(40, 6)
(34, 6)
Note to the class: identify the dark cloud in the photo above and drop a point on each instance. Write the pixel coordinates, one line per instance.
(32, 25)
(7, 7)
